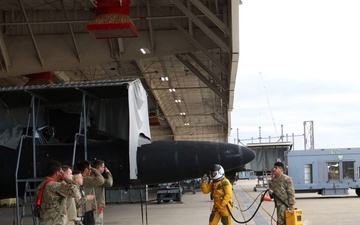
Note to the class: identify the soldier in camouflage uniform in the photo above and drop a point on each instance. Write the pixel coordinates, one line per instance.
(53, 206)
(281, 187)
(72, 204)
(92, 178)
(80, 204)
(100, 190)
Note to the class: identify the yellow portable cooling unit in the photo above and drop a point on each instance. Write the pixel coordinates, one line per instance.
(294, 217)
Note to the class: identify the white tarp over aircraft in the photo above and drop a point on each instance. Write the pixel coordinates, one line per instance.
(139, 123)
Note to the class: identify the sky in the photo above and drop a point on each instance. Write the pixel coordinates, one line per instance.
(299, 61)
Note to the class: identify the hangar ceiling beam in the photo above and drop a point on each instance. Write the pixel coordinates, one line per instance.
(220, 119)
(201, 48)
(217, 116)
(203, 26)
(82, 73)
(202, 78)
(211, 74)
(151, 28)
(31, 34)
(190, 23)
(195, 42)
(193, 115)
(120, 45)
(71, 32)
(43, 22)
(166, 73)
(222, 26)
(116, 46)
(181, 88)
(190, 132)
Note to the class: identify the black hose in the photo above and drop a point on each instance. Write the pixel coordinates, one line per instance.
(257, 209)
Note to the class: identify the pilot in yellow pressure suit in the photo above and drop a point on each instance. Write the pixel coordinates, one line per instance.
(221, 191)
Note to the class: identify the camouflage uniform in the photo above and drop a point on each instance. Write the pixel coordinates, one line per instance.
(100, 198)
(81, 208)
(96, 179)
(221, 191)
(284, 189)
(53, 206)
(72, 204)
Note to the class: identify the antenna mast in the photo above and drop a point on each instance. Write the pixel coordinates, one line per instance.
(309, 135)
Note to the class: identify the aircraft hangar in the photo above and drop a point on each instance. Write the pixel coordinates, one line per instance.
(185, 52)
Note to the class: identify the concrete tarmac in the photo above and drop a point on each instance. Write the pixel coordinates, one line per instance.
(195, 209)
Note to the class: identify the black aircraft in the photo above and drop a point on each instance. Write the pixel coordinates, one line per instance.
(164, 161)
(158, 162)
(93, 121)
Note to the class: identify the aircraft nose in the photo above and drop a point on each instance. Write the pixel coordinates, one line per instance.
(247, 154)
(235, 156)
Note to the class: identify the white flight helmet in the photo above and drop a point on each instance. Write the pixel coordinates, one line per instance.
(217, 172)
